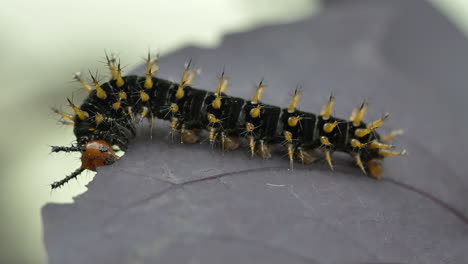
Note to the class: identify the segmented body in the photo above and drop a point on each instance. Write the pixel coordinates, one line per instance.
(234, 113)
(109, 115)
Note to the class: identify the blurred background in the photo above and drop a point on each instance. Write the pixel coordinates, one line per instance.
(44, 42)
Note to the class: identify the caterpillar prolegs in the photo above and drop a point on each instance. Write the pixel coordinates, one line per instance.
(107, 120)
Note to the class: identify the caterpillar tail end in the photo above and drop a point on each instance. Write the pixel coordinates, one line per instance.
(375, 169)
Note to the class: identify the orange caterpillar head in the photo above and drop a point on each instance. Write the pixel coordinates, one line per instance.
(97, 153)
(94, 153)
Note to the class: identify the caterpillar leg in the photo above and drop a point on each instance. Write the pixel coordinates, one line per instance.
(264, 150)
(305, 156)
(229, 143)
(73, 175)
(290, 148)
(188, 136)
(252, 144)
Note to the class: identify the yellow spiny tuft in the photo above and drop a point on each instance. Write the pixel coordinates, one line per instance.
(216, 102)
(255, 112)
(220, 84)
(329, 127)
(77, 77)
(288, 136)
(148, 81)
(220, 89)
(111, 65)
(144, 112)
(99, 118)
(389, 153)
(152, 65)
(120, 81)
(191, 77)
(225, 84)
(328, 109)
(174, 108)
(212, 118)
(328, 158)
(180, 91)
(144, 96)
(116, 105)
(80, 113)
(100, 93)
(357, 159)
(63, 115)
(356, 143)
(378, 145)
(325, 141)
(360, 114)
(183, 82)
(362, 132)
(295, 99)
(122, 95)
(258, 93)
(294, 120)
(249, 127)
(378, 123)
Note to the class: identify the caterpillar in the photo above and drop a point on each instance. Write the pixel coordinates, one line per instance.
(106, 121)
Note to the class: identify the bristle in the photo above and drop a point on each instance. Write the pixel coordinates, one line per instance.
(63, 115)
(120, 81)
(80, 113)
(374, 144)
(99, 118)
(111, 65)
(86, 87)
(360, 114)
(389, 153)
(362, 132)
(294, 101)
(355, 143)
(325, 141)
(357, 159)
(378, 123)
(100, 93)
(258, 93)
(328, 157)
(328, 109)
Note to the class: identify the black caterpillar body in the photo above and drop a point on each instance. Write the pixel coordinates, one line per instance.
(110, 113)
